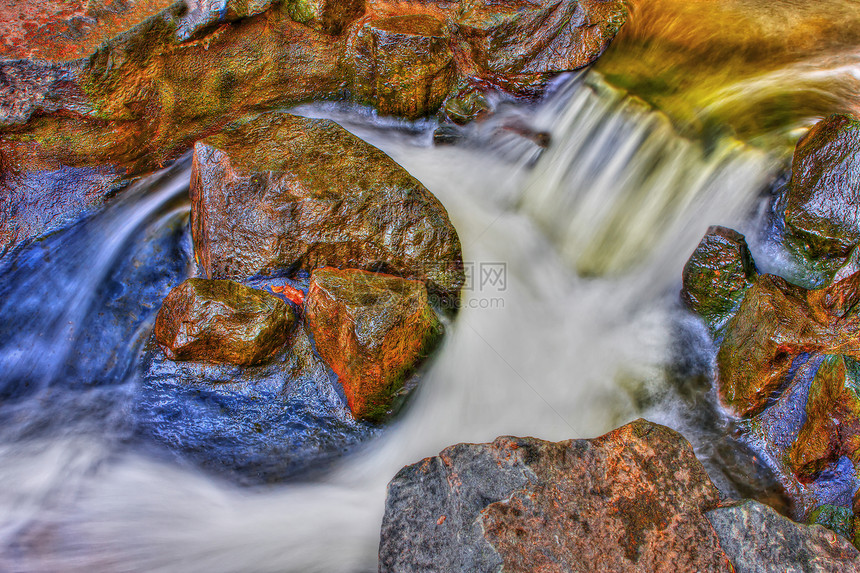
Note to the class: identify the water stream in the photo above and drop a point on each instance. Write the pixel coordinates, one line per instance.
(569, 327)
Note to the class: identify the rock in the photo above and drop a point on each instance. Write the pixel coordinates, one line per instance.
(825, 177)
(632, 500)
(403, 65)
(759, 540)
(518, 38)
(372, 330)
(717, 276)
(838, 519)
(37, 202)
(222, 321)
(775, 324)
(252, 424)
(281, 193)
(128, 87)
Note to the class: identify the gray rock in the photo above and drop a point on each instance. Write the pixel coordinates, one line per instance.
(759, 540)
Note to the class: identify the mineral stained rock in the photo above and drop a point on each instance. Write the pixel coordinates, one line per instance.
(759, 540)
(631, 500)
(717, 276)
(777, 322)
(222, 321)
(372, 330)
(787, 364)
(281, 193)
(822, 225)
(128, 87)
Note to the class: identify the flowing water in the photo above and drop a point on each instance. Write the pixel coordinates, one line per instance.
(570, 326)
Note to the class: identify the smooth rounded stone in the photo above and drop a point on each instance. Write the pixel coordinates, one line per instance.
(373, 330)
(222, 321)
(403, 65)
(631, 500)
(250, 424)
(759, 540)
(717, 276)
(825, 178)
(281, 193)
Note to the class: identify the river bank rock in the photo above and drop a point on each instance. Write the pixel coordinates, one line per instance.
(635, 499)
(787, 360)
(130, 87)
(281, 193)
(825, 178)
(372, 330)
(758, 539)
(223, 322)
(632, 500)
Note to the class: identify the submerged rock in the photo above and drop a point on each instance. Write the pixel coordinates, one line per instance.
(222, 321)
(632, 500)
(281, 193)
(253, 424)
(372, 330)
(822, 226)
(717, 276)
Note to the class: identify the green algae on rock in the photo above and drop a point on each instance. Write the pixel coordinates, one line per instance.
(281, 193)
(717, 276)
(222, 321)
(373, 330)
(822, 224)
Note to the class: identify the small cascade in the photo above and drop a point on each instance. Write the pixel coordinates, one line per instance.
(619, 188)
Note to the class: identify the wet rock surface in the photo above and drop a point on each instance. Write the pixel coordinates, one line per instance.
(373, 330)
(821, 221)
(717, 276)
(787, 359)
(282, 193)
(130, 86)
(252, 424)
(759, 540)
(222, 321)
(632, 500)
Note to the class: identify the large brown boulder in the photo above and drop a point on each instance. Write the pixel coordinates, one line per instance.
(372, 330)
(280, 193)
(821, 229)
(222, 321)
(632, 500)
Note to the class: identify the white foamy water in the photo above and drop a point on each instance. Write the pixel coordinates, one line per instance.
(543, 353)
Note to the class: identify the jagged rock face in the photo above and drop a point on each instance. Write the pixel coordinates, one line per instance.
(632, 500)
(717, 276)
(822, 225)
(222, 322)
(282, 193)
(757, 540)
(372, 330)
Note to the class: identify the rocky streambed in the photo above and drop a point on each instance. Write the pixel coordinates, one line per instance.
(282, 314)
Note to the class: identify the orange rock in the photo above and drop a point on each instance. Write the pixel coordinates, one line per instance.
(373, 330)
